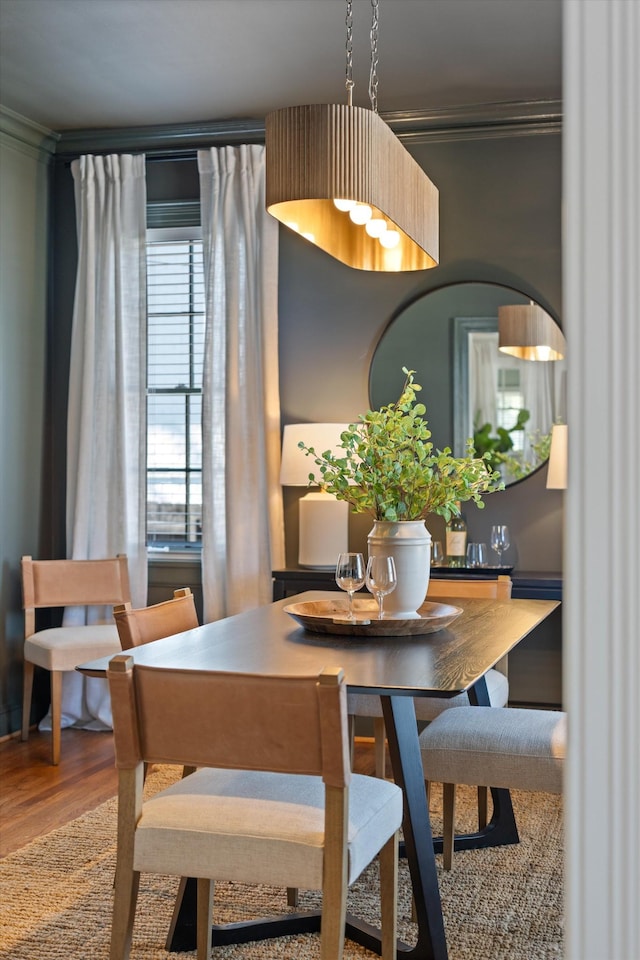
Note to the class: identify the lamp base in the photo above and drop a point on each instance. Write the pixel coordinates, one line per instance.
(324, 530)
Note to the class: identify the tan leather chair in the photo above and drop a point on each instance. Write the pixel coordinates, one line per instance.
(67, 583)
(427, 708)
(264, 746)
(157, 621)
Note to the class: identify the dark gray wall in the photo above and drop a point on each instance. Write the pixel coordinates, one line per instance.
(24, 179)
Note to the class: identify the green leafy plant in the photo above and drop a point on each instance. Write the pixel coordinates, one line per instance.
(541, 445)
(496, 447)
(391, 470)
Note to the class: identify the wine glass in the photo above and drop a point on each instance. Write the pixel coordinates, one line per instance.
(476, 555)
(350, 575)
(437, 554)
(381, 579)
(500, 539)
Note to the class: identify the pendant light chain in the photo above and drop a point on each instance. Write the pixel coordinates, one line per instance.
(373, 69)
(349, 80)
(373, 72)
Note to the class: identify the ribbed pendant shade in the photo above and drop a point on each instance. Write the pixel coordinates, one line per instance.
(320, 152)
(530, 333)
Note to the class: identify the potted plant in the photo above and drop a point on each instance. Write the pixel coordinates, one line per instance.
(391, 470)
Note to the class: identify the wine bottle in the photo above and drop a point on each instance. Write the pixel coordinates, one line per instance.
(456, 540)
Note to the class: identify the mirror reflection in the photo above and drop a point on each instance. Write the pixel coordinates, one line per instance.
(471, 389)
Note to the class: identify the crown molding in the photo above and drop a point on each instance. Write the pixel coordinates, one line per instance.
(165, 139)
(26, 136)
(479, 121)
(484, 121)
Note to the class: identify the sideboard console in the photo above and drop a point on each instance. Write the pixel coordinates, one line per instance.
(526, 585)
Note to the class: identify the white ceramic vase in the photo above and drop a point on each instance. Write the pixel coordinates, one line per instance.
(409, 543)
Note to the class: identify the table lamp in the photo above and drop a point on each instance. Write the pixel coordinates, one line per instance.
(557, 471)
(323, 520)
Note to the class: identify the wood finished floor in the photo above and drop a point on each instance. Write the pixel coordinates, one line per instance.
(36, 797)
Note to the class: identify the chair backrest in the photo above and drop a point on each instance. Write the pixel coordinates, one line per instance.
(231, 720)
(496, 589)
(160, 620)
(68, 583)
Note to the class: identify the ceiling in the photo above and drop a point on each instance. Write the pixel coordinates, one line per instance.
(77, 64)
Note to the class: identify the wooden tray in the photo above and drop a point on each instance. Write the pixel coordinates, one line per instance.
(331, 616)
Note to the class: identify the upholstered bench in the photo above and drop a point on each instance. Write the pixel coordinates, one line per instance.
(492, 747)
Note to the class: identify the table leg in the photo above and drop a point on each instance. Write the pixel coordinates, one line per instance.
(401, 726)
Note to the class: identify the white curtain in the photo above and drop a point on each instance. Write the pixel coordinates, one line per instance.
(483, 378)
(242, 518)
(537, 382)
(106, 410)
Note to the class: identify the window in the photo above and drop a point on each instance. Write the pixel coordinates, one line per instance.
(175, 347)
(509, 402)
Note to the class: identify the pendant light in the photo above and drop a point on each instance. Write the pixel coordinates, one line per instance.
(338, 175)
(528, 332)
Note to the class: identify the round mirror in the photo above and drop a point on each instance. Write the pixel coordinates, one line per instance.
(471, 388)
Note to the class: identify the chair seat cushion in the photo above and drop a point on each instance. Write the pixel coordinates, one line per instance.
(427, 708)
(63, 648)
(259, 827)
(519, 748)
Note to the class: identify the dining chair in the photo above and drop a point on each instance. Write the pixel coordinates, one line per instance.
(516, 748)
(274, 800)
(64, 583)
(164, 619)
(427, 708)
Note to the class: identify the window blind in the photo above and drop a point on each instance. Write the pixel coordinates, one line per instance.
(175, 347)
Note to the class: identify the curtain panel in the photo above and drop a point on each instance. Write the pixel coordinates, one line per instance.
(106, 413)
(106, 450)
(242, 516)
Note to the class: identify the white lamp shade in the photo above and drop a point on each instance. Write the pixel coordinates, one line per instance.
(558, 455)
(323, 520)
(296, 465)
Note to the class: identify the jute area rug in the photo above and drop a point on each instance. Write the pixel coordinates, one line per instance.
(503, 903)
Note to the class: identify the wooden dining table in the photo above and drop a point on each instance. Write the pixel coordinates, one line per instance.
(267, 640)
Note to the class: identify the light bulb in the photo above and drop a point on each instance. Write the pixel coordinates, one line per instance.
(361, 213)
(309, 236)
(292, 225)
(376, 227)
(344, 205)
(390, 239)
(543, 352)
